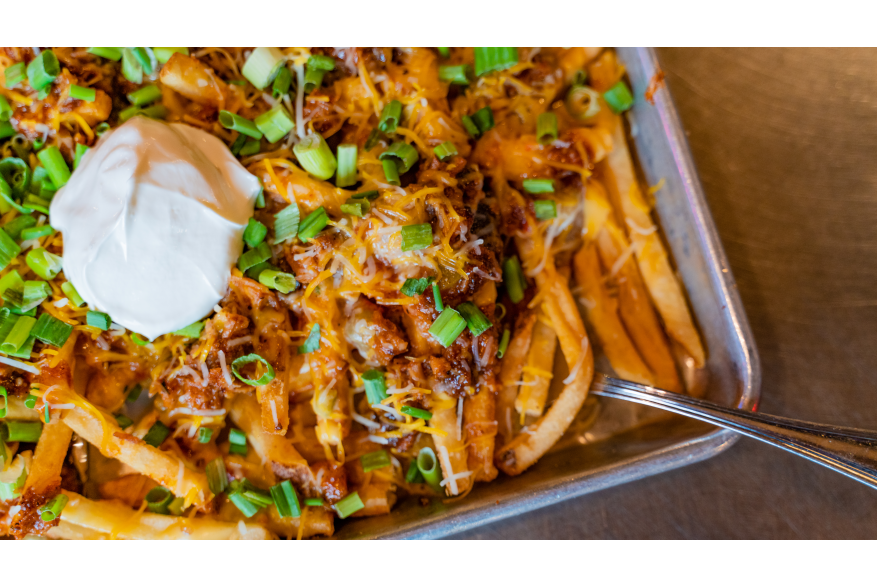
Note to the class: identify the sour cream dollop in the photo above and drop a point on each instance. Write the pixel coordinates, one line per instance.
(153, 221)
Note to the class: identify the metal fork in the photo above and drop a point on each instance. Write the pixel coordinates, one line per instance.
(849, 451)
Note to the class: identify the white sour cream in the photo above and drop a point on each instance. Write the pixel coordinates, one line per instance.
(153, 221)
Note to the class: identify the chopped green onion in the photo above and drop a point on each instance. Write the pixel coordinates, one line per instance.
(158, 499)
(5, 395)
(193, 330)
(416, 412)
(355, 207)
(54, 163)
(14, 297)
(370, 195)
(30, 401)
(134, 394)
(145, 95)
(146, 58)
(545, 209)
(128, 113)
(460, 75)
(275, 124)
(217, 477)
(33, 232)
(503, 343)
(18, 335)
(177, 506)
(156, 111)
(238, 144)
(539, 186)
(204, 434)
(446, 150)
(5, 109)
(281, 83)
(240, 362)
(513, 278)
(470, 126)
(50, 330)
(254, 256)
(437, 296)
(321, 62)
(43, 70)
(131, 68)
(17, 174)
(236, 436)
(254, 233)
(262, 65)
(349, 505)
(286, 223)
(546, 127)
(17, 225)
(372, 140)
(111, 53)
(100, 129)
(247, 508)
(475, 318)
(240, 124)
(413, 474)
(416, 237)
(15, 74)
(447, 327)
(282, 282)
(315, 156)
(22, 431)
(41, 262)
(483, 119)
(35, 292)
(312, 342)
(32, 202)
(121, 419)
(618, 97)
(374, 460)
(98, 320)
(156, 435)
(164, 54)
(11, 280)
(251, 147)
(313, 79)
(6, 129)
(80, 152)
(346, 174)
(286, 500)
(444, 51)
(260, 199)
(405, 153)
(428, 466)
(80, 93)
(489, 59)
(390, 117)
(72, 294)
(313, 224)
(415, 287)
(315, 502)
(582, 102)
(375, 386)
(237, 449)
(52, 510)
(391, 171)
(139, 340)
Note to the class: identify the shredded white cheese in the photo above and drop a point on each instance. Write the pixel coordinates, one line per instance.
(239, 341)
(378, 439)
(365, 421)
(446, 464)
(225, 372)
(460, 419)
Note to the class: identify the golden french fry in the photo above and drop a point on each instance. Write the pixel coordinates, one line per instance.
(49, 457)
(450, 449)
(603, 316)
(510, 373)
(378, 498)
(118, 521)
(317, 521)
(538, 372)
(479, 417)
(664, 287)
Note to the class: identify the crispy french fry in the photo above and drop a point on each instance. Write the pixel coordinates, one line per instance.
(317, 521)
(636, 310)
(118, 521)
(450, 449)
(512, 366)
(378, 498)
(49, 457)
(529, 446)
(67, 531)
(664, 287)
(603, 316)
(162, 467)
(479, 417)
(538, 372)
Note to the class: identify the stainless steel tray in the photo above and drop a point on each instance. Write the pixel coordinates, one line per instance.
(627, 442)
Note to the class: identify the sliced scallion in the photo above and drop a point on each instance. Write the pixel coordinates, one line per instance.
(374, 460)
(618, 97)
(416, 412)
(545, 209)
(349, 505)
(286, 223)
(375, 386)
(445, 151)
(346, 174)
(240, 124)
(193, 330)
(414, 287)
(42, 262)
(460, 75)
(157, 434)
(55, 165)
(217, 477)
(164, 54)
(539, 186)
(390, 117)
(427, 464)
(391, 171)
(145, 95)
(99, 320)
(312, 342)
(437, 297)
(15, 74)
(72, 295)
(503, 343)
(275, 124)
(286, 500)
(52, 510)
(254, 233)
(475, 318)
(254, 256)
(43, 70)
(416, 237)
(355, 207)
(111, 53)
(447, 327)
(262, 65)
(513, 278)
(240, 362)
(315, 156)
(313, 224)
(282, 282)
(405, 153)
(546, 127)
(489, 59)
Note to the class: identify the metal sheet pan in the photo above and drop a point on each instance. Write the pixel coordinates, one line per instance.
(627, 442)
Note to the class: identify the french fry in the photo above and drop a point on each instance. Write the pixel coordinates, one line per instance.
(16, 410)
(664, 287)
(636, 310)
(67, 531)
(317, 521)
(510, 373)
(162, 467)
(538, 372)
(49, 457)
(529, 446)
(479, 417)
(450, 449)
(378, 498)
(118, 521)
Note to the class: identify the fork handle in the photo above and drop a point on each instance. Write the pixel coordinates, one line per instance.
(849, 451)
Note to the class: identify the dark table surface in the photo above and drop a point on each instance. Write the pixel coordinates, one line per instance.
(785, 141)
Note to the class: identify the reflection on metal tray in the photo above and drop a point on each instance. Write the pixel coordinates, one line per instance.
(614, 442)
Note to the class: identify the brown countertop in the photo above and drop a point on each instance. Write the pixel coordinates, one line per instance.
(785, 141)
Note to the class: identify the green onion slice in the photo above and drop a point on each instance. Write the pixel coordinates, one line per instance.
(312, 342)
(372, 140)
(247, 508)
(286, 500)
(513, 278)
(416, 237)
(355, 207)
(437, 296)
(54, 163)
(236, 436)
(240, 124)
(390, 117)
(50, 330)
(156, 435)
(193, 330)
(5, 109)
(81, 150)
(539, 186)
(254, 256)
(217, 477)
(98, 320)
(72, 295)
(370, 195)
(375, 386)
(405, 153)
(445, 151)
(315, 502)
(158, 499)
(489, 59)
(313, 224)
(204, 434)
(164, 54)
(111, 53)
(447, 327)
(618, 97)
(52, 510)
(43, 70)
(460, 75)
(131, 69)
(315, 156)
(374, 460)
(15, 74)
(240, 362)
(14, 431)
(582, 102)
(503, 343)
(275, 124)
(33, 232)
(475, 318)
(282, 282)
(391, 171)
(483, 119)
(414, 287)
(546, 127)
(262, 65)
(16, 172)
(281, 84)
(286, 223)
(416, 412)
(254, 233)
(41, 261)
(413, 474)
(427, 464)
(145, 95)
(349, 505)
(123, 421)
(19, 334)
(346, 174)
(545, 209)
(470, 126)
